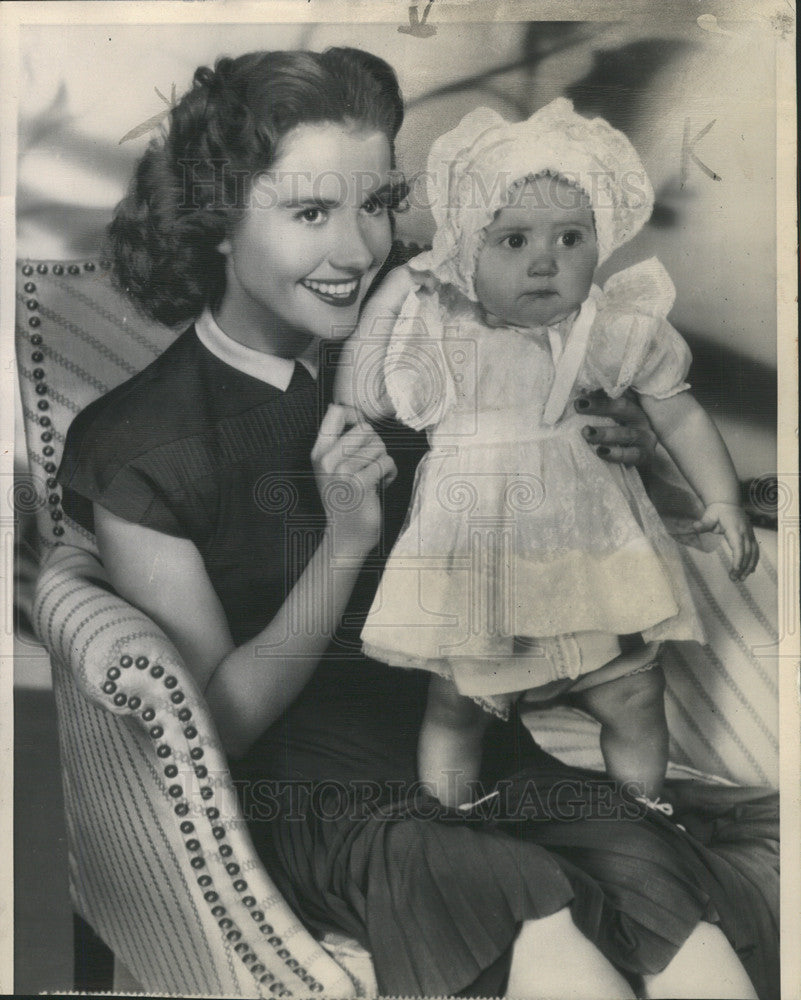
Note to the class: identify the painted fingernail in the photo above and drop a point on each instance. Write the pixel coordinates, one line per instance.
(590, 432)
(583, 404)
(602, 452)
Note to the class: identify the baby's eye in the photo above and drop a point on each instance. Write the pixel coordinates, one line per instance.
(571, 238)
(314, 216)
(515, 241)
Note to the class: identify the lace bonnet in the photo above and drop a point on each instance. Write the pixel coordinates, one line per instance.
(473, 170)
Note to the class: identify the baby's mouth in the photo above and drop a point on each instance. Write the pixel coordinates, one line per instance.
(335, 293)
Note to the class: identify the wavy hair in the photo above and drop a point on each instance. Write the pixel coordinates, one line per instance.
(187, 189)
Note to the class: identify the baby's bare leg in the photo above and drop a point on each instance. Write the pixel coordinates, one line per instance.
(449, 750)
(634, 733)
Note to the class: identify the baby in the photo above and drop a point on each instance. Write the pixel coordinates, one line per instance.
(527, 563)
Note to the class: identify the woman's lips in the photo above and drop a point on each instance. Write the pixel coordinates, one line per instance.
(335, 293)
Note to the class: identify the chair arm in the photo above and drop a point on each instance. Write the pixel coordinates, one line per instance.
(123, 662)
(83, 623)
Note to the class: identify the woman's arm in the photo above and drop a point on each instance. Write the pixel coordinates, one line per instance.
(360, 374)
(248, 687)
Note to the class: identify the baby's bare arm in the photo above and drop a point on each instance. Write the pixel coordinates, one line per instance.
(360, 375)
(694, 442)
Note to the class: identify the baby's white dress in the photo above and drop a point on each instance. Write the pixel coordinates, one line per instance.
(516, 528)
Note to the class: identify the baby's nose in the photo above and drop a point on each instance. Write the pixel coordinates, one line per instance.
(542, 263)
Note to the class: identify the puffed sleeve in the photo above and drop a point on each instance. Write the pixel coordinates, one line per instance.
(96, 467)
(632, 344)
(661, 365)
(416, 372)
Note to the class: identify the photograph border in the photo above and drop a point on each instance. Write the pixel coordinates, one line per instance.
(14, 17)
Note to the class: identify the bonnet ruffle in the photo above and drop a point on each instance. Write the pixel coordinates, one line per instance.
(473, 170)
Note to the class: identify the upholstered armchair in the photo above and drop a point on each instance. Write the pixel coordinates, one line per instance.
(161, 863)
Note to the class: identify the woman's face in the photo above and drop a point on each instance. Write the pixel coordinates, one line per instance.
(312, 238)
(539, 256)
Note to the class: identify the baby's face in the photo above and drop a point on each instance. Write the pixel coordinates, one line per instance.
(539, 256)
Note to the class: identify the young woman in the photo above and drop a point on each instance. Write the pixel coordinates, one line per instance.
(243, 512)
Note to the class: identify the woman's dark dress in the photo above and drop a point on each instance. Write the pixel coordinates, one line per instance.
(196, 448)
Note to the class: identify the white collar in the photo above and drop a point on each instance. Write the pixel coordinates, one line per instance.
(267, 368)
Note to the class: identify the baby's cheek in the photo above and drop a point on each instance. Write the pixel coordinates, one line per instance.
(482, 286)
(495, 298)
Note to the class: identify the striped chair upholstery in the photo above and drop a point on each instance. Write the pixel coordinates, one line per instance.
(161, 864)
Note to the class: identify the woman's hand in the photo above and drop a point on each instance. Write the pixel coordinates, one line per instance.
(350, 463)
(631, 441)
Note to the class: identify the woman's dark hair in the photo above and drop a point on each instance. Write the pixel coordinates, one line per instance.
(190, 187)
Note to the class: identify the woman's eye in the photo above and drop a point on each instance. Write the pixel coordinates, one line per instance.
(312, 215)
(374, 206)
(572, 238)
(515, 241)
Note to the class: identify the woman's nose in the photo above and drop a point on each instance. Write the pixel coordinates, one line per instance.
(352, 250)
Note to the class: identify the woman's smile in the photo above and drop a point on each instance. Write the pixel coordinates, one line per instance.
(336, 292)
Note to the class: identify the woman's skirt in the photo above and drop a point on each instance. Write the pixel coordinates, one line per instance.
(437, 896)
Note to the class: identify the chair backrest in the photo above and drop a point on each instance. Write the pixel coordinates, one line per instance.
(76, 338)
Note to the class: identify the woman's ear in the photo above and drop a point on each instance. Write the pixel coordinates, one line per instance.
(224, 247)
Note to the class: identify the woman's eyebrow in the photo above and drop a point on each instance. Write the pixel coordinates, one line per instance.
(311, 202)
(391, 188)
